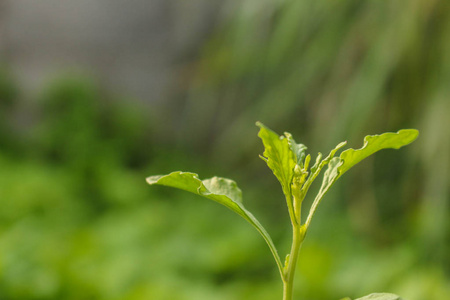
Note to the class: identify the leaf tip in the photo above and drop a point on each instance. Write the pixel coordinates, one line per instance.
(412, 133)
(152, 179)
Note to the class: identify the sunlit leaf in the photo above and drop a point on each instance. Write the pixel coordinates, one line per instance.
(330, 176)
(278, 156)
(380, 296)
(315, 170)
(374, 143)
(350, 157)
(299, 150)
(221, 190)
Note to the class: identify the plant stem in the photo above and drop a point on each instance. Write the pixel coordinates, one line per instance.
(288, 281)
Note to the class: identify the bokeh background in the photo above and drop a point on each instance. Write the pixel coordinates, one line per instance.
(97, 95)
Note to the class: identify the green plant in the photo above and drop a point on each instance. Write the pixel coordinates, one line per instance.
(290, 164)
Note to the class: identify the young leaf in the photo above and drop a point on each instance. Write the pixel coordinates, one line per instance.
(221, 190)
(281, 160)
(299, 150)
(278, 156)
(350, 157)
(374, 143)
(380, 296)
(315, 170)
(330, 176)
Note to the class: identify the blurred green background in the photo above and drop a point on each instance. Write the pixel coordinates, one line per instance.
(77, 220)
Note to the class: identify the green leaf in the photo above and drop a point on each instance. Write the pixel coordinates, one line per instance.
(330, 176)
(326, 184)
(315, 170)
(350, 157)
(374, 143)
(221, 190)
(380, 296)
(299, 150)
(278, 156)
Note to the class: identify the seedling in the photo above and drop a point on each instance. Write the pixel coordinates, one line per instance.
(290, 164)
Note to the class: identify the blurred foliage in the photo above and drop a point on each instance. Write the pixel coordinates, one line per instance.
(79, 222)
(328, 71)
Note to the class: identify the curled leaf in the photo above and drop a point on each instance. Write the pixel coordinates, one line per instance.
(299, 150)
(222, 190)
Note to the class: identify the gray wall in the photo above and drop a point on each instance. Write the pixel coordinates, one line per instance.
(133, 46)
